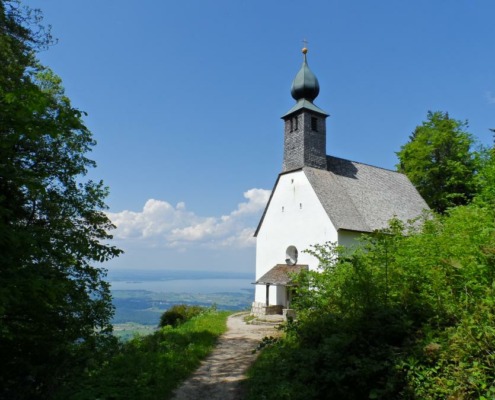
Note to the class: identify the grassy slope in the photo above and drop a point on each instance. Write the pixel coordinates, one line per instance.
(151, 367)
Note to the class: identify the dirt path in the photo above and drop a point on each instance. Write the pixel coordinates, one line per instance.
(220, 375)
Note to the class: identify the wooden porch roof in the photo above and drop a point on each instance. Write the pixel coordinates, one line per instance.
(279, 275)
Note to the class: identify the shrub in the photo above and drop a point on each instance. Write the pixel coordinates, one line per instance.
(410, 315)
(180, 313)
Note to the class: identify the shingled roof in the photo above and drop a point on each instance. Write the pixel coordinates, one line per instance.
(361, 197)
(364, 198)
(280, 274)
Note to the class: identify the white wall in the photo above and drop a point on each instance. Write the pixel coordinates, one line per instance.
(349, 238)
(295, 217)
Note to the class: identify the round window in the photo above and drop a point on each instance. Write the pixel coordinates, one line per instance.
(291, 255)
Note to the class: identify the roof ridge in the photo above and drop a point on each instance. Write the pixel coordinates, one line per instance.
(368, 165)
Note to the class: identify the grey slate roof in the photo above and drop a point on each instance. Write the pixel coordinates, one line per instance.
(360, 197)
(303, 103)
(279, 275)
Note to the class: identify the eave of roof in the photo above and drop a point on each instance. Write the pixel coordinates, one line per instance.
(280, 275)
(306, 104)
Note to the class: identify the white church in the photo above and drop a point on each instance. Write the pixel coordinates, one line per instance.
(319, 198)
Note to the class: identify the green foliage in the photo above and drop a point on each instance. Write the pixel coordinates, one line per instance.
(485, 180)
(151, 367)
(409, 315)
(55, 307)
(440, 162)
(180, 313)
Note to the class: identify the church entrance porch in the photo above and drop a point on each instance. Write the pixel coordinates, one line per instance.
(278, 279)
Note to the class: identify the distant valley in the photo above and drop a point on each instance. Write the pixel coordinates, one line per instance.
(141, 296)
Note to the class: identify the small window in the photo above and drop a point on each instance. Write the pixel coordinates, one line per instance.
(291, 125)
(291, 255)
(314, 124)
(296, 124)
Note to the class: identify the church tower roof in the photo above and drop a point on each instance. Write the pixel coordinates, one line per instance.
(305, 84)
(305, 88)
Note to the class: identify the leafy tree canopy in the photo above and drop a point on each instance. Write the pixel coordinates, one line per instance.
(440, 161)
(55, 307)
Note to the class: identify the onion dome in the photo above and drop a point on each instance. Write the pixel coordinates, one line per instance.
(305, 85)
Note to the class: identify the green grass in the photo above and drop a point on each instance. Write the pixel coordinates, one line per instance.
(248, 318)
(130, 330)
(151, 367)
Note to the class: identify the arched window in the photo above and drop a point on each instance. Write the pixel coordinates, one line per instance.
(291, 255)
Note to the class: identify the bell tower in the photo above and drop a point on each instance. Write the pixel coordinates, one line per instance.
(305, 124)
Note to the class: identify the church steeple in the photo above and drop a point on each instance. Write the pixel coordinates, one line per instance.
(305, 84)
(305, 127)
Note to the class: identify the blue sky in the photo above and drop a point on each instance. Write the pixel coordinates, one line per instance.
(185, 98)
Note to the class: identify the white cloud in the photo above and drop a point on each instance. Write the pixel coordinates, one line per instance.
(257, 199)
(160, 224)
(156, 219)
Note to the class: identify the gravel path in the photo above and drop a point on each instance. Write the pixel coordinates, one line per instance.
(220, 375)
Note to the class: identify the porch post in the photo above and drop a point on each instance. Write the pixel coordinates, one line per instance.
(267, 294)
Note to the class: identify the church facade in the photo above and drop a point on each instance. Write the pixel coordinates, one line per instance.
(319, 198)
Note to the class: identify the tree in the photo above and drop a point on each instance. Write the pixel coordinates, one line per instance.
(440, 162)
(55, 306)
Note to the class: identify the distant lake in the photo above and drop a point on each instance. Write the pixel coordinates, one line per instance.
(140, 296)
(180, 281)
(186, 285)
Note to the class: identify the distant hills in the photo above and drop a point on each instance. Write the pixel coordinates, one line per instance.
(174, 274)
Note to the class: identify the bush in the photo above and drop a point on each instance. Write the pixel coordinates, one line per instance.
(409, 317)
(180, 313)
